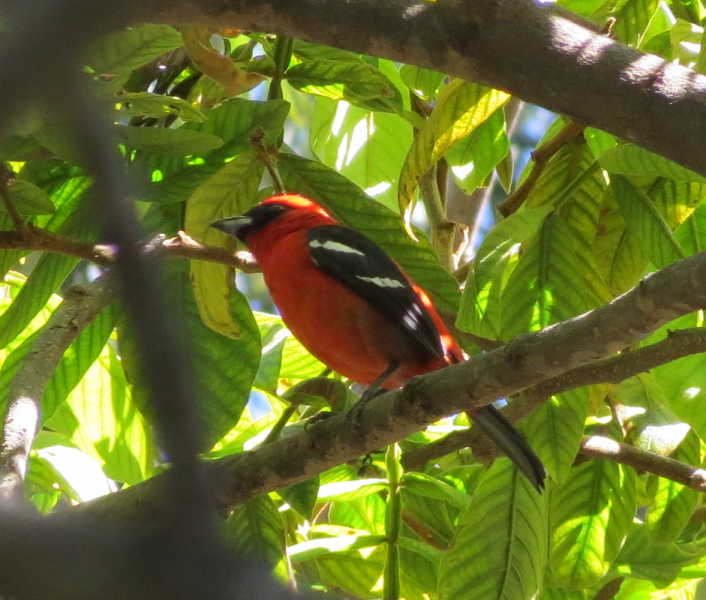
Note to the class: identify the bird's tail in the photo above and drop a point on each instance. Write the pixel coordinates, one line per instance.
(508, 439)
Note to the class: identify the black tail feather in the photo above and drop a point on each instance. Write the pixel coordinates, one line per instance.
(508, 439)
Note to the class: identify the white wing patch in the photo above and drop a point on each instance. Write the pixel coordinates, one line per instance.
(335, 247)
(385, 282)
(411, 317)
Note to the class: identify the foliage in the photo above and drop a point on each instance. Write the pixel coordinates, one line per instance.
(602, 215)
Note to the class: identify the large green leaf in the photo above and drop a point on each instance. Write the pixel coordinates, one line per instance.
(146, 104)
(674, 503)
(341, 80)
(480, 304)
(45, 279)
(633, 19)
(475, 156)
(365, 146)
(255, 529)
(136, 46)
(100, 419)
(645, 222)
(545, 287)
(618, 252)
(29, 199)
(500, 547)
(77, 359)
(554, 430)
(167, 142)
(224, 368)
(591, 514)
(691, 234)
(231, 191)
(173, 179)
(628, 159)
(423, 82)
(462, 106)
(642, 558)
(353, 208)
(683, 382)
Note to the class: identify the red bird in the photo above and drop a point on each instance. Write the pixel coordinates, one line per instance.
(355, 309)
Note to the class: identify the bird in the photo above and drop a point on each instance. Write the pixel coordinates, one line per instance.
(355, 309)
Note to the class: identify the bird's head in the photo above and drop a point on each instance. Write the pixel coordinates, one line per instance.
(279, 214)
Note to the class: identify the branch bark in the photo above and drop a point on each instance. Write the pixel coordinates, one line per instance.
(661, 297)
(538, 52)
(80, 307)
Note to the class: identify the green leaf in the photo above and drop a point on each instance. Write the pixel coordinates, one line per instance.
(480, 304)
(77, 359)
(545, 287)
(674, 503)
(293, 362)
(462, 106)
(591, 515)
(344, 491)
(633, 19)
(352, 81)
(100, 419)
(640, 557)
(136, 46)
(302, 496)
(475, 156)
(423, 82)
(618, 252)
(28, 198)
(500, 547)
(167, 142)
(173, 179)
(224, 368)
(683, 382)
(231, 191)
(646, 223)
(676, 200)
(156, 106)
(364, 146)
(310, 51)
(691, 234)
(555, 428)
(255, 529)
(329, 545)
(425, 485)
(353, 208)
(351, 572)
(628, 159)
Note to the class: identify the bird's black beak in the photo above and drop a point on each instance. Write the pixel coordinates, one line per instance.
(237, 227)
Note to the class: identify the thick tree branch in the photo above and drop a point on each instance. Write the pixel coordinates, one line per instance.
(679, 344)
(81, 305)
(661, 297)
(538, 52)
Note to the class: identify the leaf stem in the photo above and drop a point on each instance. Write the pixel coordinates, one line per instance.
(393, 522)
(256, 142)
(282, 55)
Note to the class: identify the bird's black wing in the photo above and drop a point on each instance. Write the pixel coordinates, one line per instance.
(366, 270)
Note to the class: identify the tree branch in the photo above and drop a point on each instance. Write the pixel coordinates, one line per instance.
(643, 461)
(181, 246)
(80, 306)
(679, 344)
(575, 69)
(527, 360)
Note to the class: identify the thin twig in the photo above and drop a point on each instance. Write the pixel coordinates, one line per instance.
(181, 246)
(541, 157)
(266, 159)
(81, 305)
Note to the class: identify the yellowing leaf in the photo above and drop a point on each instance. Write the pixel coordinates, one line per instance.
(221, 68)
(462, 107)
(231, 191)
